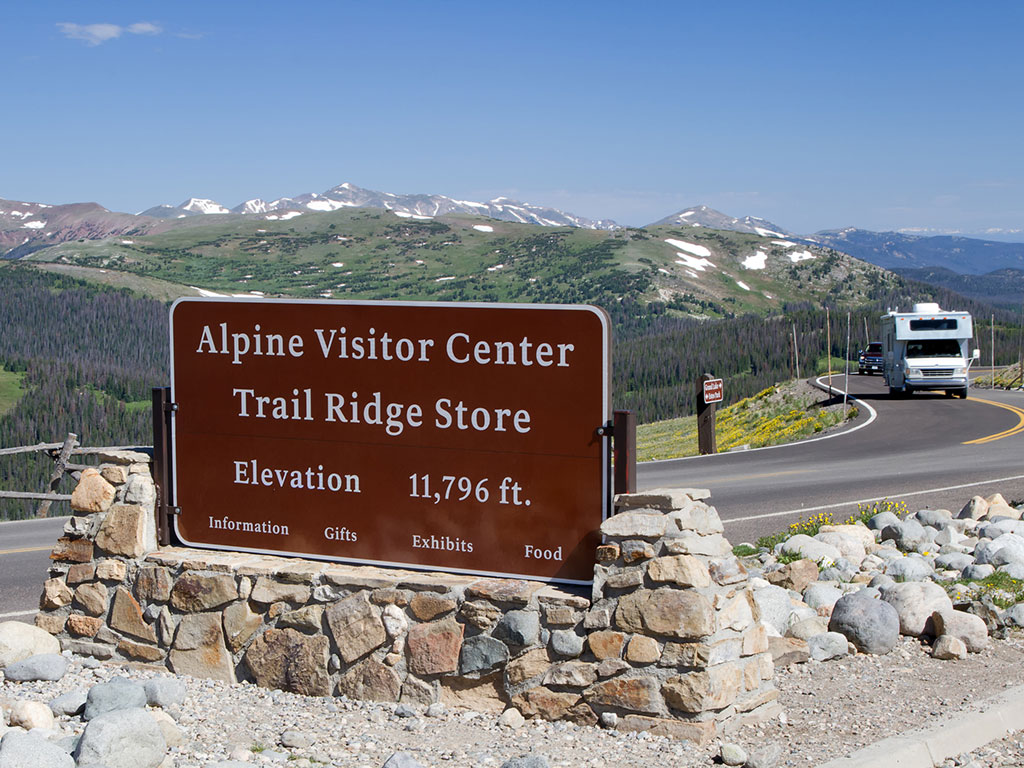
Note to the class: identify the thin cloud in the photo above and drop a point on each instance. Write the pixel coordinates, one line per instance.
(97, 34)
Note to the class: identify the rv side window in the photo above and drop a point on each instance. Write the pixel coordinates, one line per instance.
(934, 324)
(933, 348)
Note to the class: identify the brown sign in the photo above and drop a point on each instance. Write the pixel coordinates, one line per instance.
(459, 437)
(713, 391)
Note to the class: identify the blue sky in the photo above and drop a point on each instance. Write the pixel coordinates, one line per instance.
(813, 115)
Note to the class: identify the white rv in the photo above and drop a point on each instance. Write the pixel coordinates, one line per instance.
(927, 349)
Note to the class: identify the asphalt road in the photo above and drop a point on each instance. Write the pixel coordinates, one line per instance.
(917, 449)
(24, 557)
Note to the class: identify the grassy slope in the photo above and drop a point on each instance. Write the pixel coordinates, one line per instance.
(385, 256)
(10, 390)
(780, 414)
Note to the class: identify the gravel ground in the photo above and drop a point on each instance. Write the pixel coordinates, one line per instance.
(831, 709)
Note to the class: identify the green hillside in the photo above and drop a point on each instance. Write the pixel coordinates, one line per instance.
(369, 253)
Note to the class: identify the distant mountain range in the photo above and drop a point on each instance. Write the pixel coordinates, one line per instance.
(350, 196)
(28, 227)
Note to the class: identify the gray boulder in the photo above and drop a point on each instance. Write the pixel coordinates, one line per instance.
(402, 760)
(19, 641)
(955, 561)
(124, 738)
(775, 606)
(915, 602)
(527, 761)
(482, 654)
(936, 518)
(1013, 570)
(28, 750)
(165, 692)
(978, 571)
(69, 704)
(1009, 547)
(820, 595)
(518, 628)
(873, 626)
(119, 693)
(966, 627)
(906, 534)
(882, 520)
(909, 568)
(811, 549)
(828, 645)
(42, 666)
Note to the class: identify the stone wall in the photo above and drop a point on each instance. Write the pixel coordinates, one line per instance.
(667, 640)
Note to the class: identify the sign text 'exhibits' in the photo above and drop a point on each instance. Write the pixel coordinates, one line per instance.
(449, 436)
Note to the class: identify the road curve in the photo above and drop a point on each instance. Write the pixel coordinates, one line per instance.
(918, 449)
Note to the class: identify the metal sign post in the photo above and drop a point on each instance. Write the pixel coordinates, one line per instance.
(709, 392)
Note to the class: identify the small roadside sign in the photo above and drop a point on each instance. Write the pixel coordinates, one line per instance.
(713, 392)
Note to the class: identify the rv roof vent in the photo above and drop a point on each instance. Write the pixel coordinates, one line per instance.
(924, 309)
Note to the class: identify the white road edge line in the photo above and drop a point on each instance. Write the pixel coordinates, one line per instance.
(834, 391)
(803, 510)
(19, 613)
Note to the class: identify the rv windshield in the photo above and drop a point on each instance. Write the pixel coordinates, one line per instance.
(933, 348)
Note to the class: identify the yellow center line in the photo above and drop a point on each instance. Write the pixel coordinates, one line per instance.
(24, 549)
(1006, 432)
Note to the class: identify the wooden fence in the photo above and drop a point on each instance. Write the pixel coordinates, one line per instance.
(61, 454)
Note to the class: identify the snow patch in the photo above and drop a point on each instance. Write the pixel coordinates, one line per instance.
(758, 261)
(337, 264)
(767, 295)
(664, 271)
(283, 216)
(743, 285)
(483, 228)
(496, 267)
(784, 243)
(443, 279)
(696, 250)
(767, 232)
(402, 214)
(693, 263)
(208, 294)
(127, 242)
(328, 205)
(33, 225)
(800, 256)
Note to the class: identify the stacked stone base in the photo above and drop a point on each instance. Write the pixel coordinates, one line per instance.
(668, 639)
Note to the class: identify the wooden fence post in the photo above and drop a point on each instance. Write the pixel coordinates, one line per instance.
(61, 463)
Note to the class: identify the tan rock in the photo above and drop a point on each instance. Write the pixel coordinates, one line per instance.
(571, 674)
(240, 623)
(370, 680)
(635, 550)
(480, 614)
(626, 578)
(93, 493)
(307, 619)
(288, 660)
(728, 570)
(665, 499)
(153, 584)
(684, 614)
(738, 613)
(55, 594)
(126, 617)
(700, 733)
(198, 591)
(608, 553)
(19, 641)
(515, 591)
(419, 692)
(486, 694)
(606, 644)
(545, 704)
(788, 650)
(72, 550)
(28, 715)
(397, 597)
(975, 509)
(529, 665)
(199, 649)
(967, 627)
(561, 615)
(427, 606)
(123, 531)
(642, 650)
(636, 694)
(81, 573)
(114, 475)
(683, 570)
(91, 598)
(111, 570)
(796, 575)
(83, 626)
(711, 689)
(49, 623)
(647, 524)
(433, 649)
(269, 591)
(139, 651)
(691, 543)
(356, 626)
(755, 640)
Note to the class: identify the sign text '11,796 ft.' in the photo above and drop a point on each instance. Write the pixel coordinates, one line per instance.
(449, 436)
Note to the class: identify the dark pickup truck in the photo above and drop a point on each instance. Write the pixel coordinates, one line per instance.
(870, 360)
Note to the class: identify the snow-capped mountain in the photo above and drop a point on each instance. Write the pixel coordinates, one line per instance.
(702, 216)
(350, 196)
